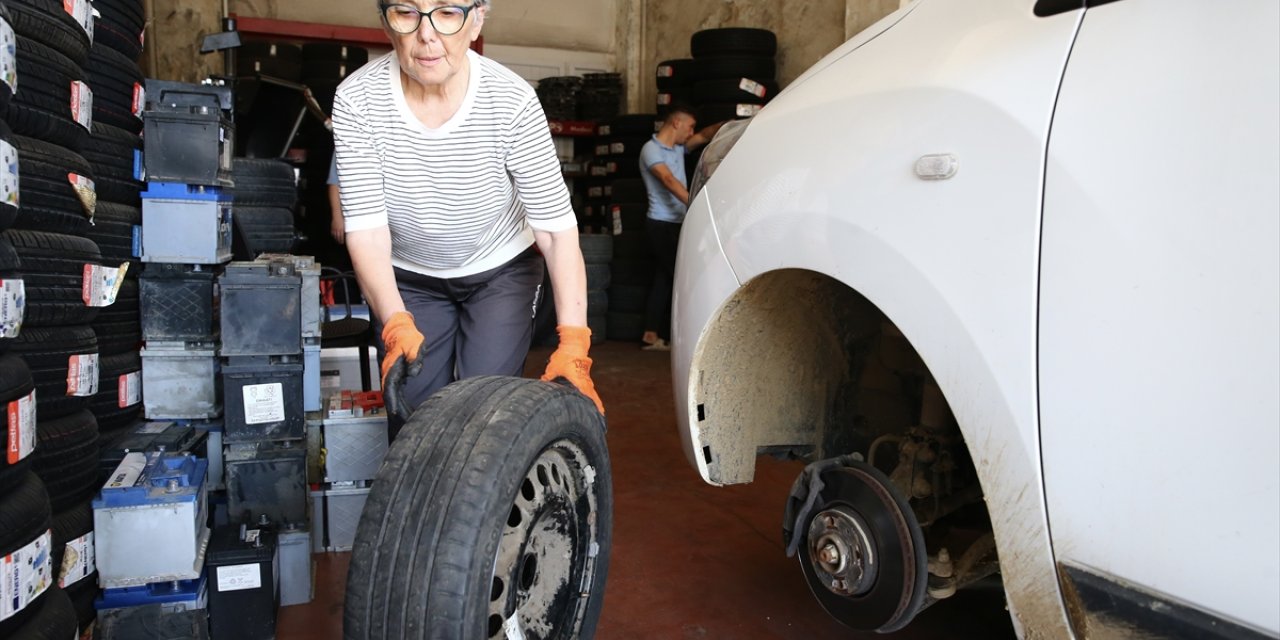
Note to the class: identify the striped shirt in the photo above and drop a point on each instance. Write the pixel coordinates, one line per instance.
(460, 199)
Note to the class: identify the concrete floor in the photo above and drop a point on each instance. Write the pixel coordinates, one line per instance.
(689, 560)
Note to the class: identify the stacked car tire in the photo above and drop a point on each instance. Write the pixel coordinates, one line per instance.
(733, 72)
(69, 337)
(625, 204)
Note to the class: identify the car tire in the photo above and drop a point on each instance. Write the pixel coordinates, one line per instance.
(450, 500)
(117, 83)
(42, 109)
(9, 158)
(733, 40)
(110, 153)
(119, 325)
(15, 384)
(112, 231)
(120, 25)
(24, 516)
(47, 352)
(53, 270)
(66, 458)
(47, 22)
(49, 200)
(735, 66)
(69, 525)
(105, 405)
(53, 617)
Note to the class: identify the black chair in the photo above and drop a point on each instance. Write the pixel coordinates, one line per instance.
(347, 331)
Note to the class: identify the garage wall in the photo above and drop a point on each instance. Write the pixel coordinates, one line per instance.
(637, 33)
(807, 30)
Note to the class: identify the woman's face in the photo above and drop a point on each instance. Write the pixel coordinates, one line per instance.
(425, 55)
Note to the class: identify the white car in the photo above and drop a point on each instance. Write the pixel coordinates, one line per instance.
(1007, 273)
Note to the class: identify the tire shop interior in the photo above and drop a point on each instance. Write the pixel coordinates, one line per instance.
(196, 428)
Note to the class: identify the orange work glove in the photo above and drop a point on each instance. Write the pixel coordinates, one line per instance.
(570, 362)
(406, 350)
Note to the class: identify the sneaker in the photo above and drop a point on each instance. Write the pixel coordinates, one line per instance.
(657, 345)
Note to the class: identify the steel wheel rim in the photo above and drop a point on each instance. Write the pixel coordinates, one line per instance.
(545, 563)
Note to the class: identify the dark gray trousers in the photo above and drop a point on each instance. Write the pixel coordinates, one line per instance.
(474, 325)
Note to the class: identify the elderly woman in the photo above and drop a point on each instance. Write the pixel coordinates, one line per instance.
(448, 179)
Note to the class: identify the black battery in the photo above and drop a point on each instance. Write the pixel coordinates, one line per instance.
(190, 133)
(263, 399)
(267, 479)
(261, 311)
(152, 621)
(178, 302)
(244, 583)
(145, 437)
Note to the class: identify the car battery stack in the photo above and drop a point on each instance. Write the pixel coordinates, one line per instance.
(263, 323)
(185, 240)
(353, 442)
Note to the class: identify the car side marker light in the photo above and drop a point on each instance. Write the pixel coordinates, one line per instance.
(939, 166)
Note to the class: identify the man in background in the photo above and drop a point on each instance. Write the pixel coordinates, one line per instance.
(663, 170)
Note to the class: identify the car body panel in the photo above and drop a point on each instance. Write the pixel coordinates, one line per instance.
(823, 181)
(1160, 320)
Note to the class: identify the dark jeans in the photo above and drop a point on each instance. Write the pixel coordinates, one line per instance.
(664, 238)
(474, 325)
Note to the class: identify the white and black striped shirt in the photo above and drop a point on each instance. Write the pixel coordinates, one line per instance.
(460, 199)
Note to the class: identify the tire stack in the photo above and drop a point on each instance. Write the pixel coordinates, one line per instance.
(733, 72)
(262, 218)
(114, 143)
(559, 96)
(597, 252)
(265, 112)
(49, 351)
(601, 96)
(618, 147)
(675, 84)
(324, 67)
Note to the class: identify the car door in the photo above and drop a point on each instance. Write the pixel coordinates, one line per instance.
(1159, 327)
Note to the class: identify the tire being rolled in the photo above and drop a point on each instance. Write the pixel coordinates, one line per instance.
(492, 484)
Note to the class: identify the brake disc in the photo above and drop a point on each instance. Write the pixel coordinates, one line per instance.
(863, 551)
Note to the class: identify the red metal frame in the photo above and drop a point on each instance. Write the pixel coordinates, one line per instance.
(316, 32)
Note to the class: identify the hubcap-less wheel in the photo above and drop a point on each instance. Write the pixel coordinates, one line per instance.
(864, 554)
(546, 559)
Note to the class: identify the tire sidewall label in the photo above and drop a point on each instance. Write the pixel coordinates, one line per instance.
(78, 561)
(129, 390)
(10, 179)
(25, 574)
(82, 374)
(102, 284)
(8, 56)
(82, 12)
(82, 104)
(13, 303)
(21, 423)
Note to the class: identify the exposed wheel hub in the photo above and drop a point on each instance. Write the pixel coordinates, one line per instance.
(863, 552)
(842, 553)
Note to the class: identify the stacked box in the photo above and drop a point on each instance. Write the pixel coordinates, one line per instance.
(354, 441)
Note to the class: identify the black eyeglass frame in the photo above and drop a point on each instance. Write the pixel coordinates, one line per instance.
(466, 12)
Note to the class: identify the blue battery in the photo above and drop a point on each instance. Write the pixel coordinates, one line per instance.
(179, 595)
(180, 191)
